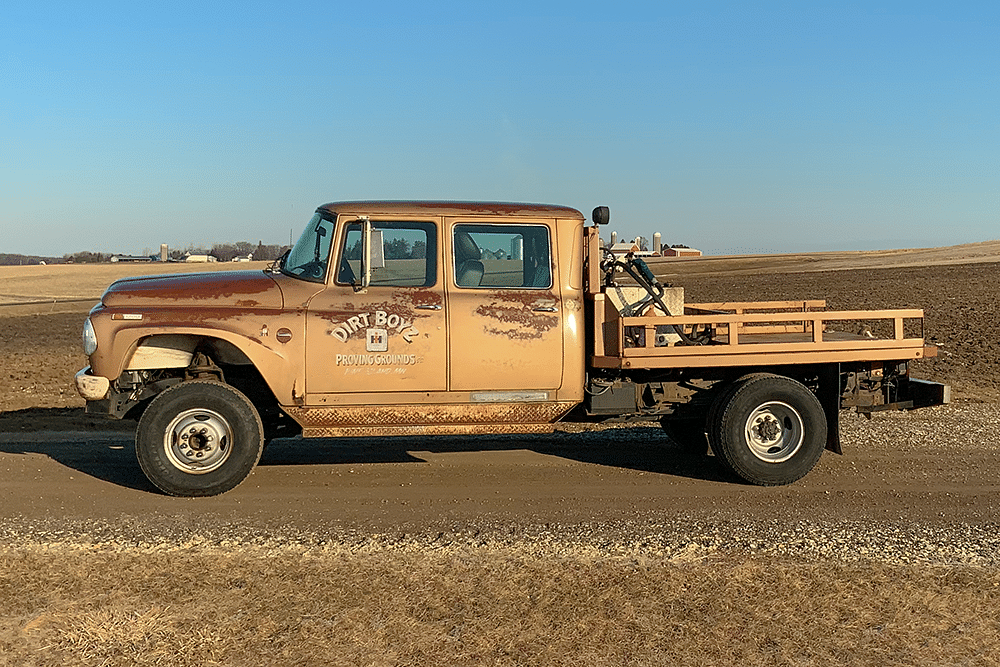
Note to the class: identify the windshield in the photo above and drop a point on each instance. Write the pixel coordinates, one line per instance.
(309, 258)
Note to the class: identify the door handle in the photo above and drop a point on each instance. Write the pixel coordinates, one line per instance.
(545, 309)
(429, 306)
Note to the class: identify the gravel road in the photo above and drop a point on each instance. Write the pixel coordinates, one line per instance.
(912, 487)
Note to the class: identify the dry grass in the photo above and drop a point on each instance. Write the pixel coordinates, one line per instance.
(88, 281)
(205, 606)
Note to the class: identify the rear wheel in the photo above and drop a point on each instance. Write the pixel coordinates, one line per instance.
(199, 438)
(768, 429)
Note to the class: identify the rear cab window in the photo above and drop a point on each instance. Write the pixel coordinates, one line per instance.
(498, 256)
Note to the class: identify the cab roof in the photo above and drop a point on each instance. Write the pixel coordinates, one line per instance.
(452, 208)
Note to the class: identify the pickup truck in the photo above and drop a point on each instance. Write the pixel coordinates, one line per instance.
(400, 318)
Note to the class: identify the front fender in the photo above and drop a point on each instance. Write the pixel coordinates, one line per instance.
(132, 347)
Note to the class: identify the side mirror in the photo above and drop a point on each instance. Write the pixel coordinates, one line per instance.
(366, 252)
(601, 215)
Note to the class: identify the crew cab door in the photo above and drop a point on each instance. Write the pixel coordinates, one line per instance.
(388, 337)
(504, 307)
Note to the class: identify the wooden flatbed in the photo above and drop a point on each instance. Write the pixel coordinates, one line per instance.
(757, 333)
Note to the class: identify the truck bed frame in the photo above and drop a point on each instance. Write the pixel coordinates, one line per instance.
(757, 333)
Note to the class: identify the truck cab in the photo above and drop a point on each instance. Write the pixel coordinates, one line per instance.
(388, 318)
(450, 316)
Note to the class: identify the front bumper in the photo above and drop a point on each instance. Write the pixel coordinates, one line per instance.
(91, 387)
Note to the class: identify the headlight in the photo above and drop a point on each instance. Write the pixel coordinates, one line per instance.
(89, 338)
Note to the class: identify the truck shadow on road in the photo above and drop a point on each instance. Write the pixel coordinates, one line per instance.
(101, 454)
(104, 450)
(641, 449)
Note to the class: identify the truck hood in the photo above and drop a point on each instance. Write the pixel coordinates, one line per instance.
(241, 289)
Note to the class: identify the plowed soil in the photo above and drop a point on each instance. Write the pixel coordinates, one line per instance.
(40, 342)
(960, 303)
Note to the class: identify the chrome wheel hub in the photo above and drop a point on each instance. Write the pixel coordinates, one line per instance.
(774, 432)
(198, 441)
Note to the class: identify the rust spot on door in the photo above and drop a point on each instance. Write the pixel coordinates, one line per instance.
(515, 317)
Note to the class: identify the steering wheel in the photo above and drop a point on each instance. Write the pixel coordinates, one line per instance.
(313, 269)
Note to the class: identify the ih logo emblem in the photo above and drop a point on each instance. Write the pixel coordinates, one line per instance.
(378, 340)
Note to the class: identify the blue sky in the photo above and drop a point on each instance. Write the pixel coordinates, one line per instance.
(731, 127)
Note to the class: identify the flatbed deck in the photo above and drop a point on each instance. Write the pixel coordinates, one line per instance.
(757, 333)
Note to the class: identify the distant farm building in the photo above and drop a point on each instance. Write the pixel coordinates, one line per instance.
(623, 248)
(188, 257)
(680, 251)
(131, 258)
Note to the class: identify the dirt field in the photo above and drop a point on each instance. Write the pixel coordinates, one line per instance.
(601, 548)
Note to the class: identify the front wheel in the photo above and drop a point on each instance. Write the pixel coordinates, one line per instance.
(768, 430)
(199, 438)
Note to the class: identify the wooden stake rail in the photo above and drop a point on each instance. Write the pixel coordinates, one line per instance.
(745, 307)
(753, 334)
(740, 307)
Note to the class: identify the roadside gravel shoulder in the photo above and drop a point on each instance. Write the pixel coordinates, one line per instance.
(678, 540)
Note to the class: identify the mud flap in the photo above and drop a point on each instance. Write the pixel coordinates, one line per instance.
(915, 394)
(926, 394)
(829, 398)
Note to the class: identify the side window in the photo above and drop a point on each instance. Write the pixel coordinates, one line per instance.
(404, 254)
(513, 256)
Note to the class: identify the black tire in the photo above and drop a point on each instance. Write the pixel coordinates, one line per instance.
(688, 434)
(768, 429)
(720, 402)
(199, 438)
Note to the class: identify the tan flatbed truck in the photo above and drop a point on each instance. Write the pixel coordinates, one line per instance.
(405, 318)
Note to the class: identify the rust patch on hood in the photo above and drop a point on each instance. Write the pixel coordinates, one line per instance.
(241, 289)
